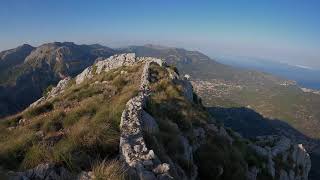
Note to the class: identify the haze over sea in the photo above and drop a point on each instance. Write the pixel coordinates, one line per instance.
(305, 76)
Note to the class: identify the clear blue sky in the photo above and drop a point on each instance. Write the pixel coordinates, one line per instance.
(284, 30)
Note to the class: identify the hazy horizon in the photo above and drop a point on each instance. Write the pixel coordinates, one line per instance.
(283, 31)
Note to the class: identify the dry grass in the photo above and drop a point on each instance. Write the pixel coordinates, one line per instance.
(14, 145)
(87, 115)
(36, 154)
(110, 170)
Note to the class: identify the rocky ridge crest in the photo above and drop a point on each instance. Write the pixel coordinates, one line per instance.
(143, 162)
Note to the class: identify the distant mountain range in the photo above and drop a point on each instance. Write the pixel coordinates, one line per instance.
(27, 71)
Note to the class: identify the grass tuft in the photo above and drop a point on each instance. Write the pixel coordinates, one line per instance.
(110, 170)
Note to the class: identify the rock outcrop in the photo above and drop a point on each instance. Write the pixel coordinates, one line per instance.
(53, 92)
(43, 171)
(142, 161)
(285, 159)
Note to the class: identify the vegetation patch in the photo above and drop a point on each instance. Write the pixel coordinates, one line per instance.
(113, 169)
(225, 156)
(34, 111)
(75, 129)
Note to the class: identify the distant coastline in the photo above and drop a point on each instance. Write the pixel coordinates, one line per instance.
(305, 77)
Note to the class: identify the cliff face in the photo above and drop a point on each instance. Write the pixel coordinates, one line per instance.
(161, 130)
(285, 160)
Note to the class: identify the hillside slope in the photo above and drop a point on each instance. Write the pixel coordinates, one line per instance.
(132, 117)
(226, 87)
(13, 57)
(28, 70)
(282, 104)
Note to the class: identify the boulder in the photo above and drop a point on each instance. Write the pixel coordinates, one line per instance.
(161, 168)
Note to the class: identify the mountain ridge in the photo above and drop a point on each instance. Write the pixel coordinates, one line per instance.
(156, 104)
(270, 96)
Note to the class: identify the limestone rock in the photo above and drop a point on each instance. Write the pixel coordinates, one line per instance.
(187, 76)
(272, 147)
(302, 159)
(43, 171)
(84, 75)
(60, 87)
(54, 91)
(106, 65)
(86, 175)
(161, 168)
(141, 161)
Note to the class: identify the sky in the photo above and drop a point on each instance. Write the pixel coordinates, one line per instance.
(281, 30)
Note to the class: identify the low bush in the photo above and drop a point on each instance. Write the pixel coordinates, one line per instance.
(14, 148)
(54, 121)
(217, 154)
(35, 155)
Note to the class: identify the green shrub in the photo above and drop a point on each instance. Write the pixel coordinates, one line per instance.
(82, 92)
(218, 153)
(87, 108)
(62, 153)
(35, 155)
(13, 149)
(54, 122)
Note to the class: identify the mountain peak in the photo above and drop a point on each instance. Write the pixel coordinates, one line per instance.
(25, 46)
(154, 46)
